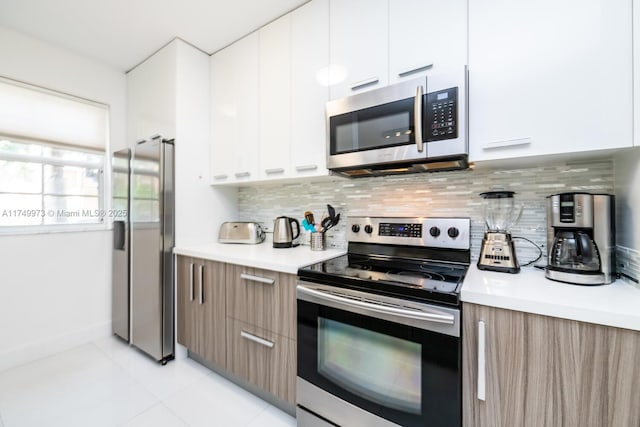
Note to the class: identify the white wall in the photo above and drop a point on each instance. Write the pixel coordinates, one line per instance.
(627, 190)
(200, 208)
(55, 289)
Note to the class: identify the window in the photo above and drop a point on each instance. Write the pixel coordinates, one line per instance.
(43, 184)
(52, 159)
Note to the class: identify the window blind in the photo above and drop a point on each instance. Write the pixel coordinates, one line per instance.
(31, 112)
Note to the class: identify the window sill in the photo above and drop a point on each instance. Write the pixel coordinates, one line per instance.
(52, 229)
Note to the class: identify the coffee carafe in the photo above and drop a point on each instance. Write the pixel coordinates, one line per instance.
(581, 238)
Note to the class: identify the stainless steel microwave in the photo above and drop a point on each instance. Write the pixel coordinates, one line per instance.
(415, 126)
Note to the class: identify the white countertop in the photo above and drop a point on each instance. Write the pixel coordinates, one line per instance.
(617, 304)
(263, 255)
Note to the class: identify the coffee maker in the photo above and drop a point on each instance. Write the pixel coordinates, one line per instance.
(581, 238)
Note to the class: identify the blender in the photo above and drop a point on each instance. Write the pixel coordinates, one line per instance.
(500, 214)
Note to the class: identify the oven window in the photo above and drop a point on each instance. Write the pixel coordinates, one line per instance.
(378, 367)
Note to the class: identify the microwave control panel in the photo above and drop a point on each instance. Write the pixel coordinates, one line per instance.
(442, 115)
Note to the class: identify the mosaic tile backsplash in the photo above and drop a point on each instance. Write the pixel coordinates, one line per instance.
(443, 194)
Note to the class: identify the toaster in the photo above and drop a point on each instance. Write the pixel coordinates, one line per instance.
(241, 232)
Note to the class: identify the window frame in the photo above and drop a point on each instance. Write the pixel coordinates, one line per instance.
(102, 222)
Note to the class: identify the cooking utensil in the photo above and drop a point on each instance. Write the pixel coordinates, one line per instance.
(332, 211)
(307, 226)
(308, 215)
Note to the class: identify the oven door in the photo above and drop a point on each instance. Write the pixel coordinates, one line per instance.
(370, 360)
(377, 127)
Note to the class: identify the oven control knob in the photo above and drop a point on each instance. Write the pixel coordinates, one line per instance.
(368, 229)
(355, 228)
(453, 232)
(434, 231)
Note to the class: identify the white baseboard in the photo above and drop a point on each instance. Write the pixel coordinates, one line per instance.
(38, 350)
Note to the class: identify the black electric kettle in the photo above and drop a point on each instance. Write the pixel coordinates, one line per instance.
(283, 232)
(574, 250)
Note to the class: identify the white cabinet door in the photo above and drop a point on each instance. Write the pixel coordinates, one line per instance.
(275, 98)
(234, 115)
(359, 32)
(151, 91)
(309, 91)
(548, 77)
(426, 35)
(636, 72)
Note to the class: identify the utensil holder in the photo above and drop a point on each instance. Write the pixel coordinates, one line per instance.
(318, 241)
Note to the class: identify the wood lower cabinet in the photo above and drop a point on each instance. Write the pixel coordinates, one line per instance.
(240, 319)
(263, 358)
(263, 298)
(201, 308)
(544, 371)
(261, 328)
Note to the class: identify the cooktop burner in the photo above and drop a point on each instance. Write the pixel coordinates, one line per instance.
(407, 257)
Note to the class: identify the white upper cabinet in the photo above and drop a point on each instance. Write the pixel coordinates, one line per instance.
(234, 112)
(151, 91)
(426, 35)
(309, 87)
(275, 98)
(549, 76)
(359, 46)
(636, 72)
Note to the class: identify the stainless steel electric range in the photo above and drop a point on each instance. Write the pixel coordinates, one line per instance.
(379, 328)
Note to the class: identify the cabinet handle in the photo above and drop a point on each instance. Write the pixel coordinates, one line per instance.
(201, 283)
(414, 70)
(191, 282)
(251, 337)
(257, 279)
(242, 174)
(223, 176)
(274, 171)
(306, 168)
(482, 379)
(507, 143)
(365, 83)
(417, 118)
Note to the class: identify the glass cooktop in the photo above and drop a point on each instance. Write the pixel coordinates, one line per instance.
(415, 279)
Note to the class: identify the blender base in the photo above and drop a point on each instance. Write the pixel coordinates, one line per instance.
(498, 253)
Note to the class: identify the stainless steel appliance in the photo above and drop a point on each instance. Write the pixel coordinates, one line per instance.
(241, 232)
(500, 214)
(581, 238)
(284, 235)
(143, 303)
(414, 126)
(379, 328)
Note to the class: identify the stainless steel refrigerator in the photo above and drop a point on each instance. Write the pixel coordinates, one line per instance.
(143, 293)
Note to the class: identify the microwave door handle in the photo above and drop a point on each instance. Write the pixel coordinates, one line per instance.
(417, 118)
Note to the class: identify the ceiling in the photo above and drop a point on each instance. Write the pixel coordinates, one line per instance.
(122, 33)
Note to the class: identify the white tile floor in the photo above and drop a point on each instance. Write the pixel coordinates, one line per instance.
(107, 383)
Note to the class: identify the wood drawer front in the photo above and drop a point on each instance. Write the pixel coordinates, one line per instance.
(263, 298)
(263, 358)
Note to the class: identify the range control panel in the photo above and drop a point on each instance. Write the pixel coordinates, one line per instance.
(449, 233)
(442, 114)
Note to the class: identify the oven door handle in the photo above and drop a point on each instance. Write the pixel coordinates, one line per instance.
(419, 315)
